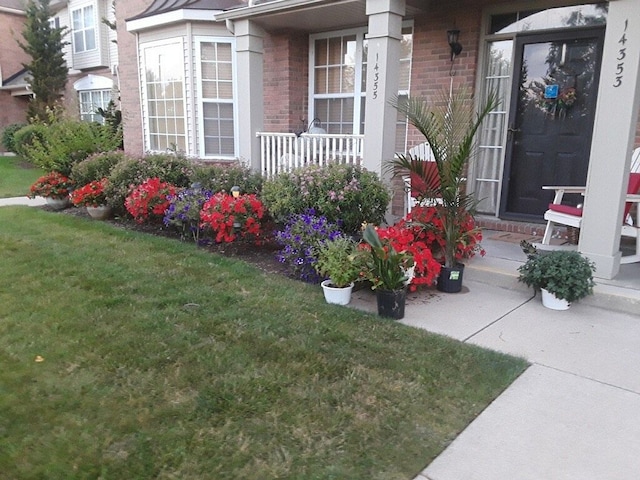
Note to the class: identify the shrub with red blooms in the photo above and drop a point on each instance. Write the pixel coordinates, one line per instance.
(91, 195)
(53, 185)
(403, 238)
(148, 201)
(231, 217)
(427, 227)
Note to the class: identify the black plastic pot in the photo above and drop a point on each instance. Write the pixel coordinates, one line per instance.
(391, 303)
(450, 279)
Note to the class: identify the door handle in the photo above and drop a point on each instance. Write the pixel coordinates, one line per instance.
(513, 130)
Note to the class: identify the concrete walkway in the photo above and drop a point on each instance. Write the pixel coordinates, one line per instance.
(574, 414)
(31, 202)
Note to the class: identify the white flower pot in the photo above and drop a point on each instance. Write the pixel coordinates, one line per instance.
(101, 212)
(337, 296)
(549, 300)
(57, 203)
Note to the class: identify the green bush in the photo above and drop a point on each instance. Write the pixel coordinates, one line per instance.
(63, 143)
(221, 177)
(346, 194)
(8, 133)
(131, 172)
(96, 166)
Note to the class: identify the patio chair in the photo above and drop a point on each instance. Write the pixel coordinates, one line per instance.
(571, 216)
(415, 186)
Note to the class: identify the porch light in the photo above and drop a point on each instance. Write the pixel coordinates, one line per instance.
(235, 191)
(452, 39)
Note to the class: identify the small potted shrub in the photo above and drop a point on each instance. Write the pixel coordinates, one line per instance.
(92, 197)
(387, 270)
(55, 189)
(337, 261)
(565, 275)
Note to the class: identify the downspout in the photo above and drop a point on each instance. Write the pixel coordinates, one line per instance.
(140, 86)
(230, 26)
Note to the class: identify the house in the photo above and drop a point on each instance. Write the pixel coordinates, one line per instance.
(91, 55)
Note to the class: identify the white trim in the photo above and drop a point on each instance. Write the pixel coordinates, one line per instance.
(144, 89)
(198, 40)
(93, 82)
(168, 18)
(272, 7)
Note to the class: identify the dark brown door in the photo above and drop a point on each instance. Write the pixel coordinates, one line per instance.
(551, 118)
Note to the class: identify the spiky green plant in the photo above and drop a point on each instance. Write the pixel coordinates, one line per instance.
(449, 124)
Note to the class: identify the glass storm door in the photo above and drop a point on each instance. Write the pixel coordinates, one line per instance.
(551, 116)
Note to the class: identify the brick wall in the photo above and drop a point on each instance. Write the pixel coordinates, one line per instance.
(129, 84)
(12, 109)
(286, 63)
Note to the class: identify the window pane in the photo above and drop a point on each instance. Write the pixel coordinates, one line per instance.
(321, 52)
(78, 41)
(224, 52)
(88, 17)
(90, 39)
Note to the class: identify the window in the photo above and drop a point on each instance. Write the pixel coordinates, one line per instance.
(83, 29)
(338, 82)
(90, 101)
(217, 109)
(164, 97)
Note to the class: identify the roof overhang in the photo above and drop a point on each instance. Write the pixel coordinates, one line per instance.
(169, 18)
(18, 84)
(310, 15)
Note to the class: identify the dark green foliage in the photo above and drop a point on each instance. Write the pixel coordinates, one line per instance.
(566, 274)
(8, 140)
(96, 166)
(48, 69)
(221, 177)
(131, 172)
(63, 143)
(113, 119)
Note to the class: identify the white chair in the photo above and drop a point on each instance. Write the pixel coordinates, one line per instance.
(420, 152)
(571, 216)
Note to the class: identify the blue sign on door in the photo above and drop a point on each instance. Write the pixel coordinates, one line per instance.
(551, 92)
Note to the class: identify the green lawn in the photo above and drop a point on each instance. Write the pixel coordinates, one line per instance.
(127, 356)
(16, 176)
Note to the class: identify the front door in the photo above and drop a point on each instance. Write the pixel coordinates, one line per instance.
(551, 118)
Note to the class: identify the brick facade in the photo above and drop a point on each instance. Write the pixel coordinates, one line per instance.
(12, 109)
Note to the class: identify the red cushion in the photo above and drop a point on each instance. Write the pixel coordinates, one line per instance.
(567, 209)
(421, 184)
(634, 187)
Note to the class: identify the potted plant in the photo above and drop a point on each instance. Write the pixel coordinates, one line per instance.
(55, 189)
(449, 125)
(92, 197)
(337, 261)
(387, 270)
(563, 275)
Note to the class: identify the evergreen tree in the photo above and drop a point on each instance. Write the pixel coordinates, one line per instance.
(48, 70)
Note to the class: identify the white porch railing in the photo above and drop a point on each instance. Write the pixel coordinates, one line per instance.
(282, 152)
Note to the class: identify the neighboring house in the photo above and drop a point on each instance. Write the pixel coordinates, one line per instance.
(14, 93)
(91, 55)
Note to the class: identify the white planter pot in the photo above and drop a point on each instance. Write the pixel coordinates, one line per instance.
(57, 203)
(549, 300)
(338, 296)
(101, 212)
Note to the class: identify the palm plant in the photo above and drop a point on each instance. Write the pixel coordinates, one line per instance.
(449, 125)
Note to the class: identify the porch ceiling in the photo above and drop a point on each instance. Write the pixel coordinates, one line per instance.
(318, 16)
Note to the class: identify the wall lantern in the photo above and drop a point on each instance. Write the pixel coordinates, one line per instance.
(452, 39)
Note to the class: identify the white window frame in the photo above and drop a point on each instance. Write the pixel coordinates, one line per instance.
(198, 41)
(144, 88)
(85, 30)
(359, 93)
(95, 117)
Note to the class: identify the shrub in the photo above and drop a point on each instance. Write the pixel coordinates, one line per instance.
(301, 238)
(220, 178)
(96, 166)
(8, 140)
(148, 201)
(345, 194)
(26, 136)
(65, 142)
(131, 172)
(230, 217)
(52, 185)
(90, 195)
(184, 209)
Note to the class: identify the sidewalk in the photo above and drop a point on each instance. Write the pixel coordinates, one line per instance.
(31, 202)
(574, 413)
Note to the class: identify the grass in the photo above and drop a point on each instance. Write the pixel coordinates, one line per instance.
(133, 356)
(16, 176)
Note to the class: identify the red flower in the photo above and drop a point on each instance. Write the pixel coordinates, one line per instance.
(53, 185)
(230, 217)
(90, 195)
(149, 200)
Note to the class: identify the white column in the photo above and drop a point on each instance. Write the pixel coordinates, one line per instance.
(384, 36)
(250, 94)
(613, 137)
